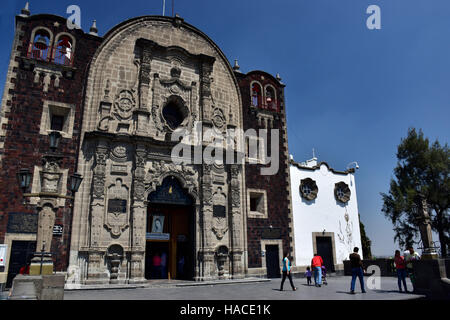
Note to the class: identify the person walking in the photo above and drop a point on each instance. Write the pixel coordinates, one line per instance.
(164, 265)
(410, 256)
(308, 275)
(357, 270)
(316, 266)
(400, 265)
(156, 266)
(287, 272)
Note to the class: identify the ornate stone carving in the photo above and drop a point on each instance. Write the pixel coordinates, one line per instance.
(103, 124)
(235, 186)
(218, 119)
(119, 152)
(50, 177)
(98, 179)
(160, 169)
(222, 257)
(124, 105)
(139, 173)
(220, 225)
(116, 219)
(115, 255)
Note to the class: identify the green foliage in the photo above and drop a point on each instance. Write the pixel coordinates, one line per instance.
(365, 241)
(421, 168)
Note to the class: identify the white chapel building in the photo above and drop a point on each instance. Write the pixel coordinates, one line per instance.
(325, 214)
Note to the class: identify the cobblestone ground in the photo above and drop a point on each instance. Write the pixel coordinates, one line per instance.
(337, 289)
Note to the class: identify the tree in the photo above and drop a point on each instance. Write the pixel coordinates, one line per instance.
(421, 168)
(365, 241)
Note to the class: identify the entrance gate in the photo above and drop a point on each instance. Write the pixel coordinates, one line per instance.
(170, 248)
(21, 254)
(325, 250)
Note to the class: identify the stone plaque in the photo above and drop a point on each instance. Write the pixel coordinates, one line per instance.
(117, 206)
(271, 233)
(219, 211)
(20, 222)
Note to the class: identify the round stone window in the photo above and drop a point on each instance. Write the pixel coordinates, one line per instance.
(342, 192)
(308, 189)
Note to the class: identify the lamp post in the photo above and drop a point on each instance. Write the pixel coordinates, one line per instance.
(356, 165)
(24, 179)
(55, 138)
(47, 206)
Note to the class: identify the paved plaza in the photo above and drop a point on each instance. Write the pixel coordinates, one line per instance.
(337, 289)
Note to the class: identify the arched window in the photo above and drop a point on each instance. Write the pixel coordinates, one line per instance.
(63, 50)
(40, 45)
(271, 99)
(256, 95)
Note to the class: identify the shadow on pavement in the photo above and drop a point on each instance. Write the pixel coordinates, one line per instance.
(348, 292)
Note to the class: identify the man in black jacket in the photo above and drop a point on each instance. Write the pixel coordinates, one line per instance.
(357, 270)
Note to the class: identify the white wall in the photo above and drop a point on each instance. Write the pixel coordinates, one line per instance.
(324, 213)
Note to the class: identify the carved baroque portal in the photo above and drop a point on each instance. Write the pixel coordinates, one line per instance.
(140, 88)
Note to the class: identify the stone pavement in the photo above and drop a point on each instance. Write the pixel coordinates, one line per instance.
(337, 289)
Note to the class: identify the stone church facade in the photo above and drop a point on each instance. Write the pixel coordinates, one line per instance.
(116, 101)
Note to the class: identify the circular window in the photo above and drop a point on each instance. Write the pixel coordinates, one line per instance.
(342, 192)
(173, 115)
(308, 189)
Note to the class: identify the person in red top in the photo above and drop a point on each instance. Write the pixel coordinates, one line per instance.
(400, 265)
(316, 266)
(156, 266)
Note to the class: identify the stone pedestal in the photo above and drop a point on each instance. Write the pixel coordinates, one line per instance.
(46, 287)
(431, 278)
(26, 287)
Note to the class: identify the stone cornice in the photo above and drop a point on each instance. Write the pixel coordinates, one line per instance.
(317, 167)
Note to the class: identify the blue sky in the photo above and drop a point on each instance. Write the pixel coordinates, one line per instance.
(351, 93)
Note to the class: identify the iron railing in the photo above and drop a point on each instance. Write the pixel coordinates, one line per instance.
(56, 55)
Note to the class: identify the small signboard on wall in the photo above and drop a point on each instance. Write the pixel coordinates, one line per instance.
(58, 230)
(3, 250)
(158, 236)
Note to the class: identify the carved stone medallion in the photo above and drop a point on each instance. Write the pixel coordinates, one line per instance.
(124, 105)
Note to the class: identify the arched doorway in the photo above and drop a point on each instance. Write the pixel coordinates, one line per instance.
(170, 246)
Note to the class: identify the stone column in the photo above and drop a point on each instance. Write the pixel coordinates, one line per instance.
(207, 64)
(50, 182)
(141, 115)
(429, 251)
(236, 223)
(139, 212)
(207, 251)
(96, 274)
